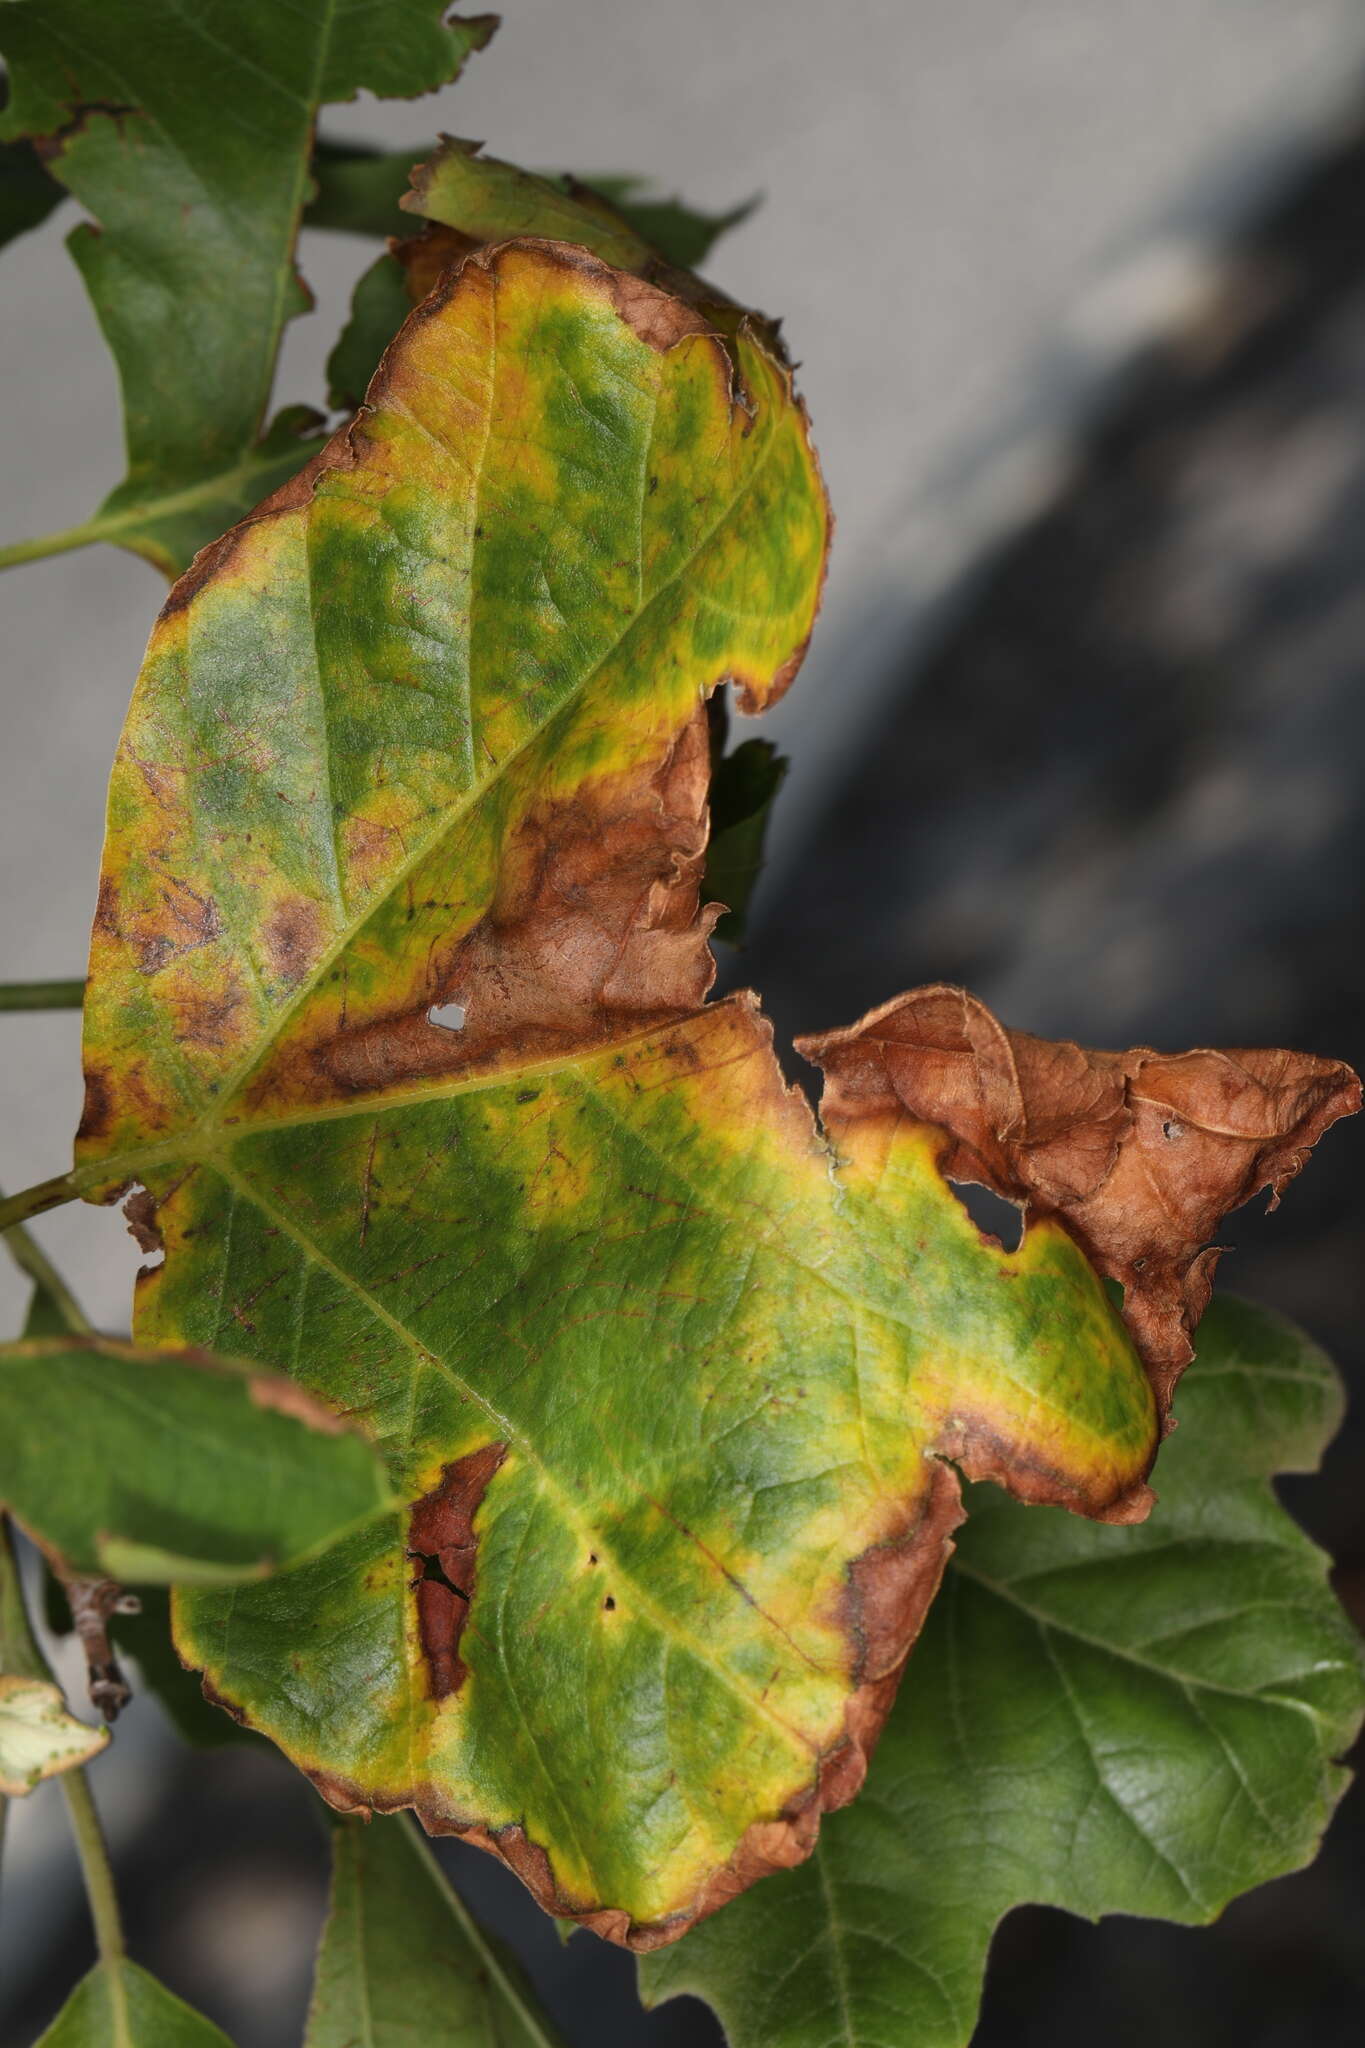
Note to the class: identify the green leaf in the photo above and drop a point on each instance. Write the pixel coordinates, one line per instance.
(664, 1374)
(1141, 1720)
(744, 786)
(119, 2006)
(45, 1317)
(379, 306)
(399, 1948)
(682, 234)
(27, 193)
(356, 190)
(160, 1467)
(189, 258)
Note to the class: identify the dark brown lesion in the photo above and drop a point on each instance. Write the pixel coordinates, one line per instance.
(293, 935)
(443, 1543)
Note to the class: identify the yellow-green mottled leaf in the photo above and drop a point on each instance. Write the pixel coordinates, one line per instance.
(157, 1467)
(1142, 1720)
(397, 1009)
(38, 1737)
(468, 200)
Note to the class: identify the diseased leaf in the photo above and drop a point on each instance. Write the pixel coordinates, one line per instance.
(361, 191)
(1139, 1153)
(162, 1466)
(492, 201)
(38, 1737)
(1141, 1720)
(667, 1386)
(469, 201)
(120, 2006)
(189, 255)
(399, 1947)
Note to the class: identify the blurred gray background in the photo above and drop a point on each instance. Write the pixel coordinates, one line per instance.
(1078, 288)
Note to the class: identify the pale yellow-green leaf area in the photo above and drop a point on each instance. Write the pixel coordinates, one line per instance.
(38, 1737)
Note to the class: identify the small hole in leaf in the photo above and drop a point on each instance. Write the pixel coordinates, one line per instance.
(447, 1016)
(432, 1568)
(609, 1604)
(991, 1213)
(592, 1557)
(1171, 1131)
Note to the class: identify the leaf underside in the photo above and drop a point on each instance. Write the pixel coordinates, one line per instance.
(38, 1737)
(1141, 1720)
(667, 1375)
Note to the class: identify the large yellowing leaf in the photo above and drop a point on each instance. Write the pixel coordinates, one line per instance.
(397, 1009)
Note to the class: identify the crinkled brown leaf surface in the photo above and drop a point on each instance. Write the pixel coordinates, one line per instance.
(668, 1380)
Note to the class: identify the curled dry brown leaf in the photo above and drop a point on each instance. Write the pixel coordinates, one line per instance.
(1140, 1154)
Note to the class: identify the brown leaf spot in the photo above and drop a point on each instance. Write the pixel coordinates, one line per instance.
(97, 1114)
(293, 936)
(442, 1534)
(1139, 1154)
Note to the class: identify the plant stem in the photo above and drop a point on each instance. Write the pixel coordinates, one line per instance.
(99, 1878)
(41, 995)
(46, 1194)
(29, 1256)
(234, 490)
(22, 1654)
(44, 544)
